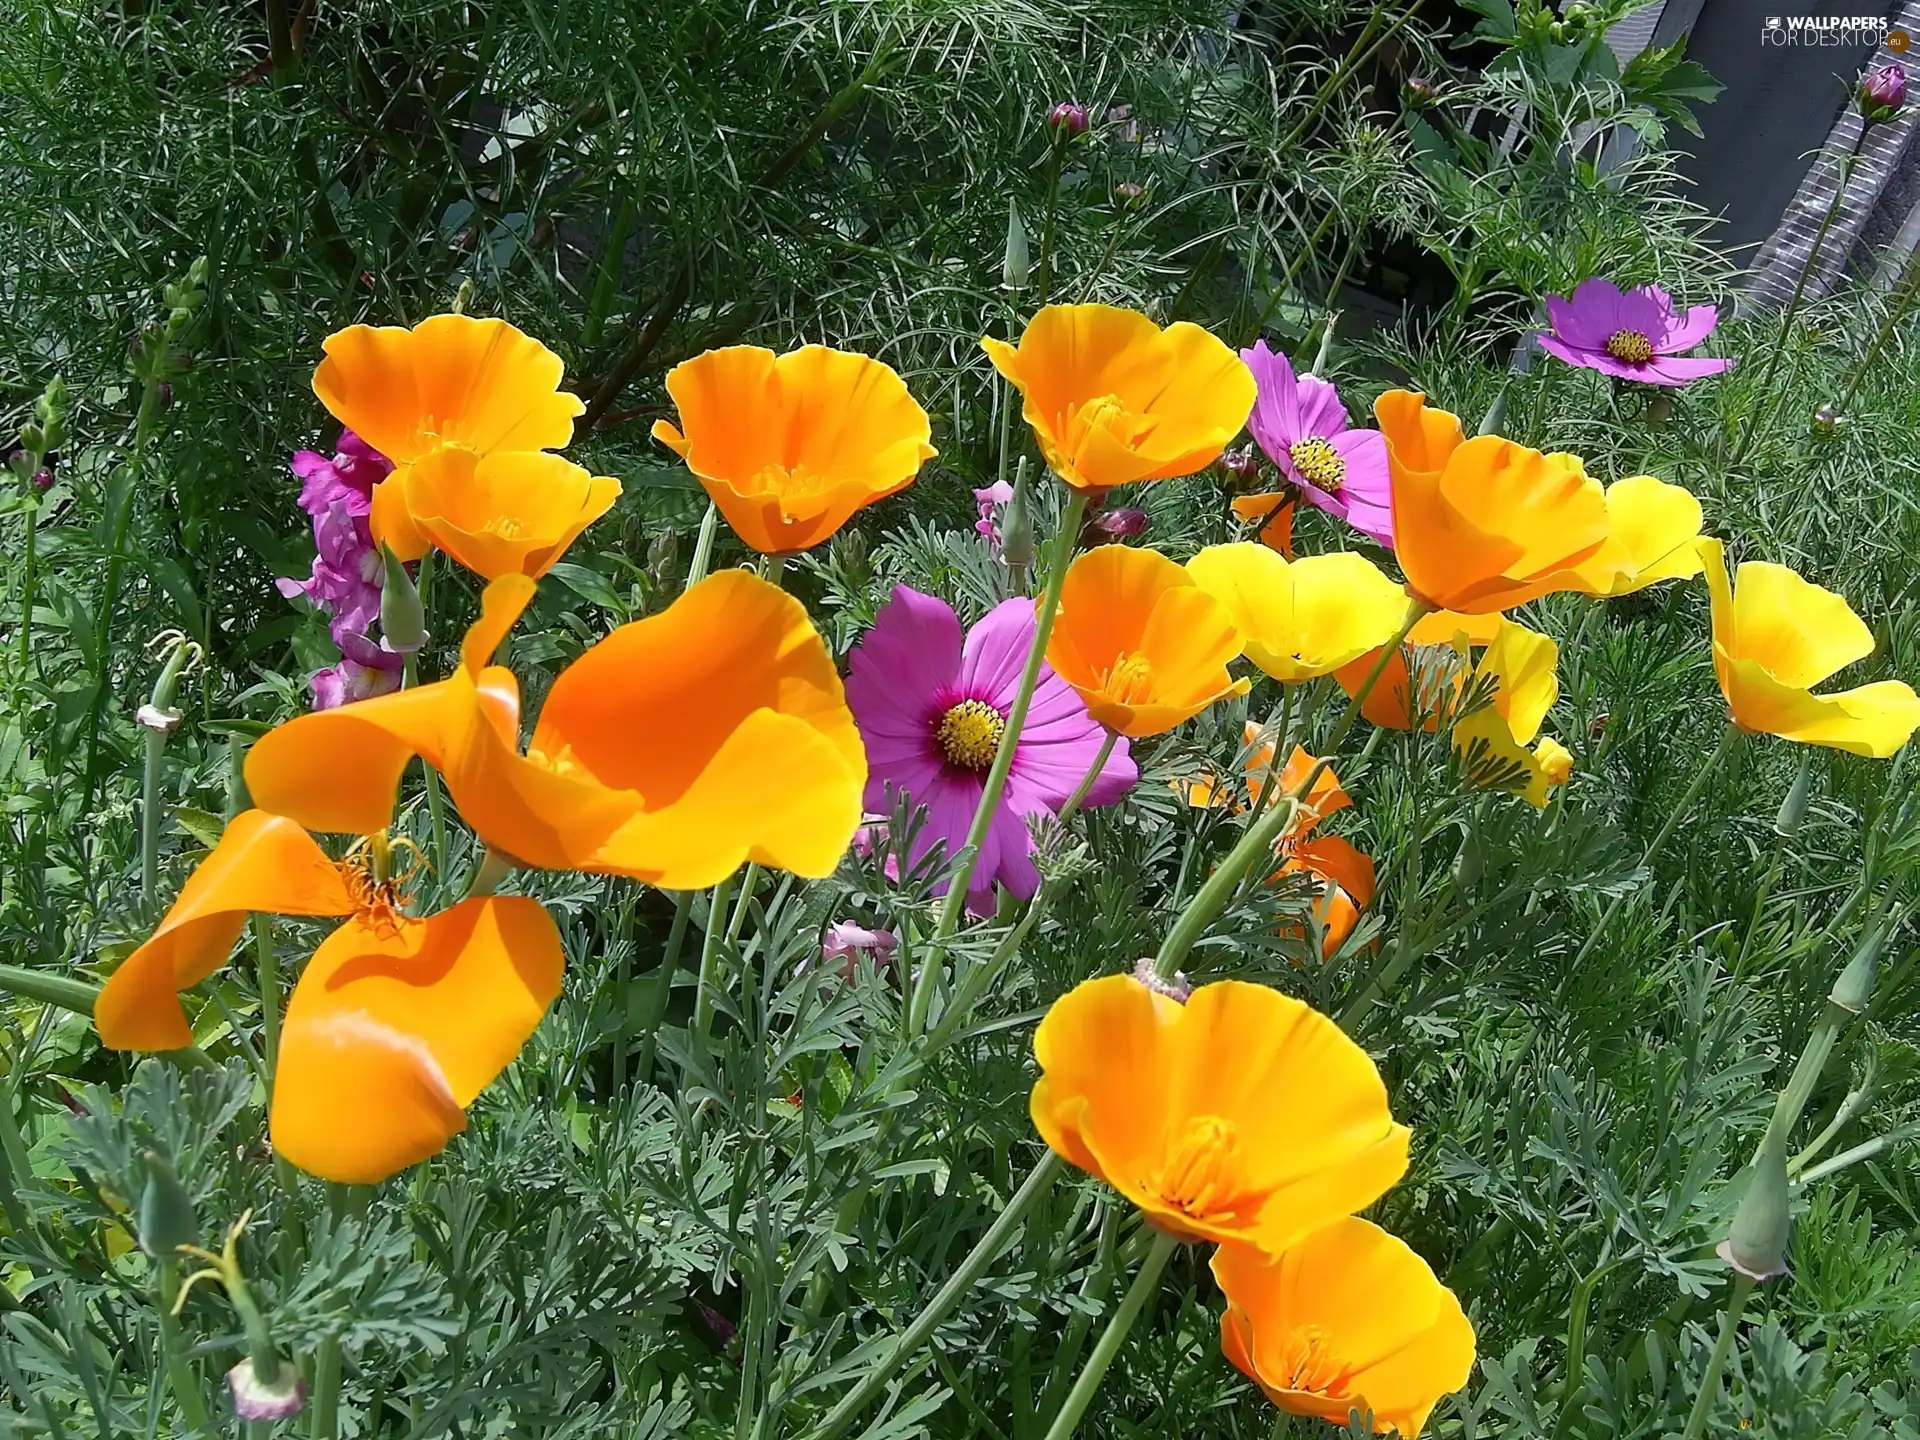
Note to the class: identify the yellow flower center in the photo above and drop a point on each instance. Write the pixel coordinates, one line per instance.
(1319, 464)
(561, 762)
(1199, 1174)
(1309, 1363)
(970, 733)
(1630, 346)
(1129, 680)
(786, 481)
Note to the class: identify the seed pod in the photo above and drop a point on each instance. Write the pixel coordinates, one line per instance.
(1757, 1244)
(403, 620)
(166, 1216)
(1015, 267)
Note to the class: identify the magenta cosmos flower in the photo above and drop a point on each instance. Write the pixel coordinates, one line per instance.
(932, 705)
(1303, 427)
(1633, 334)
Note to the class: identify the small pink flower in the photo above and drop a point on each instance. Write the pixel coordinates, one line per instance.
(845, 942)
(1882, 93)
(1630, 334)
(1068, 120)
(1303, 427)
(1120, 524)
(990, 499)
(932, 703)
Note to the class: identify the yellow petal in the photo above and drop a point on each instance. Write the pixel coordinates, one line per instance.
(1653, 530)
(339, 770)
(1099, 1048)
(262, 863)
(1344, 607)
(394, 1029)
(1874, 720)
(477, 384)
(1798, 632)
(1519, 666)
(1255, 585)
(1495, 760)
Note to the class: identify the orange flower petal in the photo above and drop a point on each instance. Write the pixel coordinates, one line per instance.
(1327, 797)
(339, 770)
(394, 1030)
(790, 446)
(263, 863)
(1273, 513)
(1113, 398)
(509, 513)
(1341, 861)
(480, 385)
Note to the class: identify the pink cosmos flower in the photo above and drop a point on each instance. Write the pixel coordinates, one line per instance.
(1632, 334)
(1303, 427)
(932, 705)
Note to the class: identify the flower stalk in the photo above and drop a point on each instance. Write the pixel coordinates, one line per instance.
(1142, 1289)
(159, 719)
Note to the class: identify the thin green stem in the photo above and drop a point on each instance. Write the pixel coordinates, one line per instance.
(663, 983)
(50, 989)
(703, 997)
(1043, 272)
(1907, 289)
(949, 1295)
(267, 964)
(31, 512)
(1016, 720)
(1088, 780)
(1704, 1402)
(181, 1379)
(1144, 1285)
(703, 546)
(1728, 737)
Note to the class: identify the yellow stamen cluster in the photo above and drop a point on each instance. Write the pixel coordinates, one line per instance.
(1319, 463)
(1630, 346)
(970, 733)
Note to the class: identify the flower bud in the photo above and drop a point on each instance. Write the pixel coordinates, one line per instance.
(1882, 93)
(43, 479)
(1241, 464)
(163, 394)
(1067, 120)
(1421, 91)
(1015, 268)
(1854, 989)
(1016, 522)
(403, 621)
(166, 1217)
(1120, 524)
(1469, 862)
(1757, 1244)
(1496, 415)
(1129, 196)
(1793, 809)
(1824, 422)
(256, 1399)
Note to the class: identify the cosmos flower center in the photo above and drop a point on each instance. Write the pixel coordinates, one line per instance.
(970, 733)
(1129, 679)
(1197, 1177)
(1308, 1362)
(1631, 346)
(1319, 463)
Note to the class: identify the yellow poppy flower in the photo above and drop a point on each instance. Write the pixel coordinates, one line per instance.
(510, 513)
(1304, 618)
(1484, 524)
(789, 446)
(1421, 683)
(750, 753)
(1113, 398)
(478, 385)
(1349, 1318)
(1653, 534)
(1243, 1114)
(1143, 646)
(397, 1023)
(1775, 637)
(1513, 687)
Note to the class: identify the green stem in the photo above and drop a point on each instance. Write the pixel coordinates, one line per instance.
(1404, 950)
(1268, 826)
(155, 755)
(267, 961)
(1909, 287)
(882, 1369)
(27, 576)
(1043, 272)
(1090, 779)
(180, 1376)
(1703, 1402)
(703, 546)
(1770, 406)
(1728, 736)
(1016, 720)
(61, 990)
(663, 984)
(1142, 1289)
(710, 959)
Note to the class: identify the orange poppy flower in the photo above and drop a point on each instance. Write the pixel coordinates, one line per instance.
(750, 751)
(1143, 646)
(1243, 1114)
(1483, 525)
(397, 1023)
(1424, 678)
(1346, 871)
(1273, 513)
(510, 513)
(1113, 398)
(789, 446)
(1349, 1318)
(478, 385)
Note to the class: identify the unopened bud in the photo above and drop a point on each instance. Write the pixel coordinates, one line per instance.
(1882, 93)
(1016, 521)
(1496, 415)
(403, 621)
(1241, 464)
(1757, 1244)
(166, 1216)
(1174, 987)
(159, 718)
(1853, 991)
(43, 479)
(1120, 524)
(1421, 91)
(1824, 422)
(1067, 120)
(1015, 268)
(1129, 196)
(163, 394)
(1469, 862)
(256, 1399)
(1793, 809)
(663, 555)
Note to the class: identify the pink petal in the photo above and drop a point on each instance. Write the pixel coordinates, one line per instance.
(1680, 370)
(1368, 488)
(901, 665)
(1321, 412)
(996, 653)
(1275, 421)
(1589, 359)
(1688, 331)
